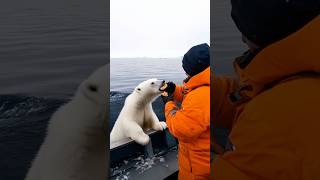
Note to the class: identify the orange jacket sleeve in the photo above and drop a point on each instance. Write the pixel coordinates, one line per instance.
(222, 108)
(178, 95)
(264, 141)
(192, 119)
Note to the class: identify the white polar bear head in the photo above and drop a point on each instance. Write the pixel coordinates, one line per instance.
(150, 88)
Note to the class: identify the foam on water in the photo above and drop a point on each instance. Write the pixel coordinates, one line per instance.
(139, 164)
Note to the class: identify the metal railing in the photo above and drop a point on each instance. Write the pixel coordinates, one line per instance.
(126, 141)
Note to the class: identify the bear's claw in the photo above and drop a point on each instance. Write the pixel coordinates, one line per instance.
(163, 125)
(141, 139)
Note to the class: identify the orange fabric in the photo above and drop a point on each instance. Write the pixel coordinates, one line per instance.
(223, 109)
(191, 125)
(275, 133)
(178, 93)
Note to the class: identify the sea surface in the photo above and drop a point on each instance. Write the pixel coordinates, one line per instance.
(48, 47)
(127, 73)
(227, 43)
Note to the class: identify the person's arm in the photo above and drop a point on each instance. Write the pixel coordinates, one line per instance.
(178, 93)
(223, 110)
(188, 122)
(264, 142)
(174, 91)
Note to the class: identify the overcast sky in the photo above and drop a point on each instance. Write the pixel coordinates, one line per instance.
(157, 28)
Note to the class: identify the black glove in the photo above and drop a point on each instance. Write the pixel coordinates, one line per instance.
(170, 88)
(166, 99)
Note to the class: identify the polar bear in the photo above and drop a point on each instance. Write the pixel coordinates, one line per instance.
(75, 145)
(137, 113)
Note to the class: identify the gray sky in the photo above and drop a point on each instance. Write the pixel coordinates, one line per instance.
(157, 28)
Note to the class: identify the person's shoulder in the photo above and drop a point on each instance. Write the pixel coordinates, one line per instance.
(201, 91)
(288, 99)
(198, 95)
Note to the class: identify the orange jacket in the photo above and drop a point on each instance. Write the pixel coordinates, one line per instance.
(191, 125)
(275, 130)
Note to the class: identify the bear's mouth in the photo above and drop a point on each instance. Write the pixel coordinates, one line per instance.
(163, 87)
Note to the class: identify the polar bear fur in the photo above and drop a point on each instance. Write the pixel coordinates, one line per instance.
(75, 145)
(137, 114)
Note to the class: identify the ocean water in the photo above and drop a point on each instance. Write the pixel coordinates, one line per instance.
(127, 73)
(227, 43)
(48, 47)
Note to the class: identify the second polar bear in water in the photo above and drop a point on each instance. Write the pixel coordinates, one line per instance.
(137, 113)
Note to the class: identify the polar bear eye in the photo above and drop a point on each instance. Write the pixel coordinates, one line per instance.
(139, 89)
(152, 83)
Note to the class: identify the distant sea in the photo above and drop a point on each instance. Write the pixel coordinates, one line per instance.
(227, 42)
(127, 73)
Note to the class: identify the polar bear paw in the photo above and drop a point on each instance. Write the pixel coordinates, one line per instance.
(163, 125)
(141, 138)
(159, 126)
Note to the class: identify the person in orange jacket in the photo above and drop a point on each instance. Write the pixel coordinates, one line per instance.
(190, 122)
(273, 108)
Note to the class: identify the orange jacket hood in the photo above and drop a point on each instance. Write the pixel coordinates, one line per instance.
(295, 54)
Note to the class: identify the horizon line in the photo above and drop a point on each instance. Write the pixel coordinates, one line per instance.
(145, 57)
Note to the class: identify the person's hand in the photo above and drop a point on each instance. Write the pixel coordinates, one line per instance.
(166, 99)
(217, 149)
(170, 88)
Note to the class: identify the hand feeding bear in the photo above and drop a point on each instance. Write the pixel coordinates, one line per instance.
(137, 114)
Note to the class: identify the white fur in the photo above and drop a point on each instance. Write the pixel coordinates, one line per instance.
(75, 145)
(137, 114)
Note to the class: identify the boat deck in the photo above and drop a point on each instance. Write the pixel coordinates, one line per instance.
(157, 160)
